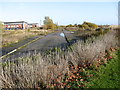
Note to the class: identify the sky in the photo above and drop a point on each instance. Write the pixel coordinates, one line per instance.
(63, 13)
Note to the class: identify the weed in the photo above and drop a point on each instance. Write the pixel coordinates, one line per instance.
(62, 69)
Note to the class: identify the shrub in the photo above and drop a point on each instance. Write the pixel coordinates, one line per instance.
(85, 26)
(41, 70)
(88, 26)
(91, 25)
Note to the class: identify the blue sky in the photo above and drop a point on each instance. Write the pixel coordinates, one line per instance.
(62, 12)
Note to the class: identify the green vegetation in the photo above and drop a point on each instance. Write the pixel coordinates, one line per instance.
(90, 25)
(1, 25)
(1, 28)
(84, 26)
(48, 24)
(108, 75)
(62, 69)
(70, 25)
(10, 37)
(88, 34)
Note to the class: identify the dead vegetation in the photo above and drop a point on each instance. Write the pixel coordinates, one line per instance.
(14, 36)
(45, 71)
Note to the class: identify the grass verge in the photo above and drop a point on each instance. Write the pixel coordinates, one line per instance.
(108, 75)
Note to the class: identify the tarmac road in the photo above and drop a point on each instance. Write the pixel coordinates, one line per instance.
(48, 42)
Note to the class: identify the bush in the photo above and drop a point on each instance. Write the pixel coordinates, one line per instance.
(85, 26)
(41, 70)
(91, 25)
(88, 26)
(28, 30)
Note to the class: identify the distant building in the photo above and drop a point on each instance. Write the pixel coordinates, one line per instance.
(19, 25)
(32, 25)
(15, 25)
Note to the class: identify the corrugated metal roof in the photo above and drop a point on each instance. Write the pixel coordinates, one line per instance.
(15, 22)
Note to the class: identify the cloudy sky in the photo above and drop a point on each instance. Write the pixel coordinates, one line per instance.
(62, 12)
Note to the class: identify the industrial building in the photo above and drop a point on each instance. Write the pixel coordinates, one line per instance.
(32, 25)
(19, 25)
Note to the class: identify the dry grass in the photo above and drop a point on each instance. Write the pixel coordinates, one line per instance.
(14, 36)
(43, 70)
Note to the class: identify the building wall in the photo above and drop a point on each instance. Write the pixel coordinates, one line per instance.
(13, 26)
(19, 25)
(33, 25)
(25, 26)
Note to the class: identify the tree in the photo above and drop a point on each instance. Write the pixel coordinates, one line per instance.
(49, 23)
(70, 25)
(75, 25)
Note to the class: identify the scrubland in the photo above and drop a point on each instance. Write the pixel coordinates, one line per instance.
(61, 68)
(14, 36)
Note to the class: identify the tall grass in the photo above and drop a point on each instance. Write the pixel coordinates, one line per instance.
(14, 36)
(38, 70)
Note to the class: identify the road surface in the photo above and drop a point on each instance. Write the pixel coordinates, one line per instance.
(48, 42)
